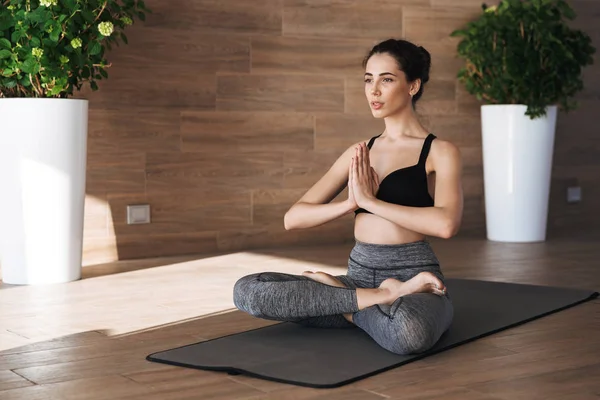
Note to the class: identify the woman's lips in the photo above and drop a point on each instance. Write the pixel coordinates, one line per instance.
(376, 105)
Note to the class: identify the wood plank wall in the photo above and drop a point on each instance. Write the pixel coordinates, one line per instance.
(220, 114)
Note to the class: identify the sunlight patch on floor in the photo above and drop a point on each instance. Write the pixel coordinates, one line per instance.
(131, 301)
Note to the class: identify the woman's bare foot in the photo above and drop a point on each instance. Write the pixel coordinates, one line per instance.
(424, 282)
(324, 277)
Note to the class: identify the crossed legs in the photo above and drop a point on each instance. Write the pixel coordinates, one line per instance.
(402, 317)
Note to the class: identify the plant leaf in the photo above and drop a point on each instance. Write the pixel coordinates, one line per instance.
(5, 44)
(95, 48)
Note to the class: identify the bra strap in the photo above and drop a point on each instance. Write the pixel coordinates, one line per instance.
(373, 140)
(426, 148)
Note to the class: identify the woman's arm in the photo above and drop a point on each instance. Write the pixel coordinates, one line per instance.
(315, 207)
(307, 215)
(444, 218)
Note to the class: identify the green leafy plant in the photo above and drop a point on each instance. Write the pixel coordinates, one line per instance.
(50, 47)
(524, 52)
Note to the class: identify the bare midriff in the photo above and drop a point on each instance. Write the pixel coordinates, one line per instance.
(370, 228)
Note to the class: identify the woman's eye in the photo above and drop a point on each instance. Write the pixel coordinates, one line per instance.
(384, 80)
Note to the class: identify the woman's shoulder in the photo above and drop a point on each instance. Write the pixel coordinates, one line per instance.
(444, 150)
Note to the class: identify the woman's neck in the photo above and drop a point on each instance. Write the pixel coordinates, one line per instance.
(404, 125)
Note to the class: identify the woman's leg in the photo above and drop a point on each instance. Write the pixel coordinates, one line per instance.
(331, 321)
(393, 312)
(410, 321)
(415, 309)
(412, 324)
(294, 298)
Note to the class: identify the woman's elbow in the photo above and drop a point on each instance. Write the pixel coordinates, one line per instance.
(288, 226)
(288, 221)
(449, 229)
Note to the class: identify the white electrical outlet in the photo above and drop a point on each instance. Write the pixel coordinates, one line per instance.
(574, 194)
(138, 214)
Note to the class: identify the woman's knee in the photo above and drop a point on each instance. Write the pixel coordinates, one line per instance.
(254, 293)
(243, 291)
(412, 336)
(417, 326)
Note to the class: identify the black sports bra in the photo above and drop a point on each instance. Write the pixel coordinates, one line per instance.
(406, 186)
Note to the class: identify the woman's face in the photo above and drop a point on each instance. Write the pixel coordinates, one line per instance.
(386, 88)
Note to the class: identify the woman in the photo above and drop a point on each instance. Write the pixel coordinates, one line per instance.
(394, 289)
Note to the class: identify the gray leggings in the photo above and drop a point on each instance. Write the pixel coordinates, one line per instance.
(412, 324)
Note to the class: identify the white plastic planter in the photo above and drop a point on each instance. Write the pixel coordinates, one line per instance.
(517, 162)
(43, 147)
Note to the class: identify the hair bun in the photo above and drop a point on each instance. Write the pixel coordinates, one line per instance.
(426, 57)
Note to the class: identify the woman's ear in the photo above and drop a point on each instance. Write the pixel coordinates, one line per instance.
(415, 86)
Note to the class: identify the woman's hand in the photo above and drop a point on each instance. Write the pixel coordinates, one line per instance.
(363, 181)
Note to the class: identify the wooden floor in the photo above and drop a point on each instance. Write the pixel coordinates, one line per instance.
(89, 339)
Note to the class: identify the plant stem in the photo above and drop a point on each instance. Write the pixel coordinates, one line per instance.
(33, 85)
(39, 85)
(472, 69)
(65, 24)
(96, 19)
(522, 30)
(101, 10)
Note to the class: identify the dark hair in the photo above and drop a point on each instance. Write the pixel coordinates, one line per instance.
(414, 60)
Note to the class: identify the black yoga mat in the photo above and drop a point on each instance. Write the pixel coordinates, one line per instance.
(325, 358)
